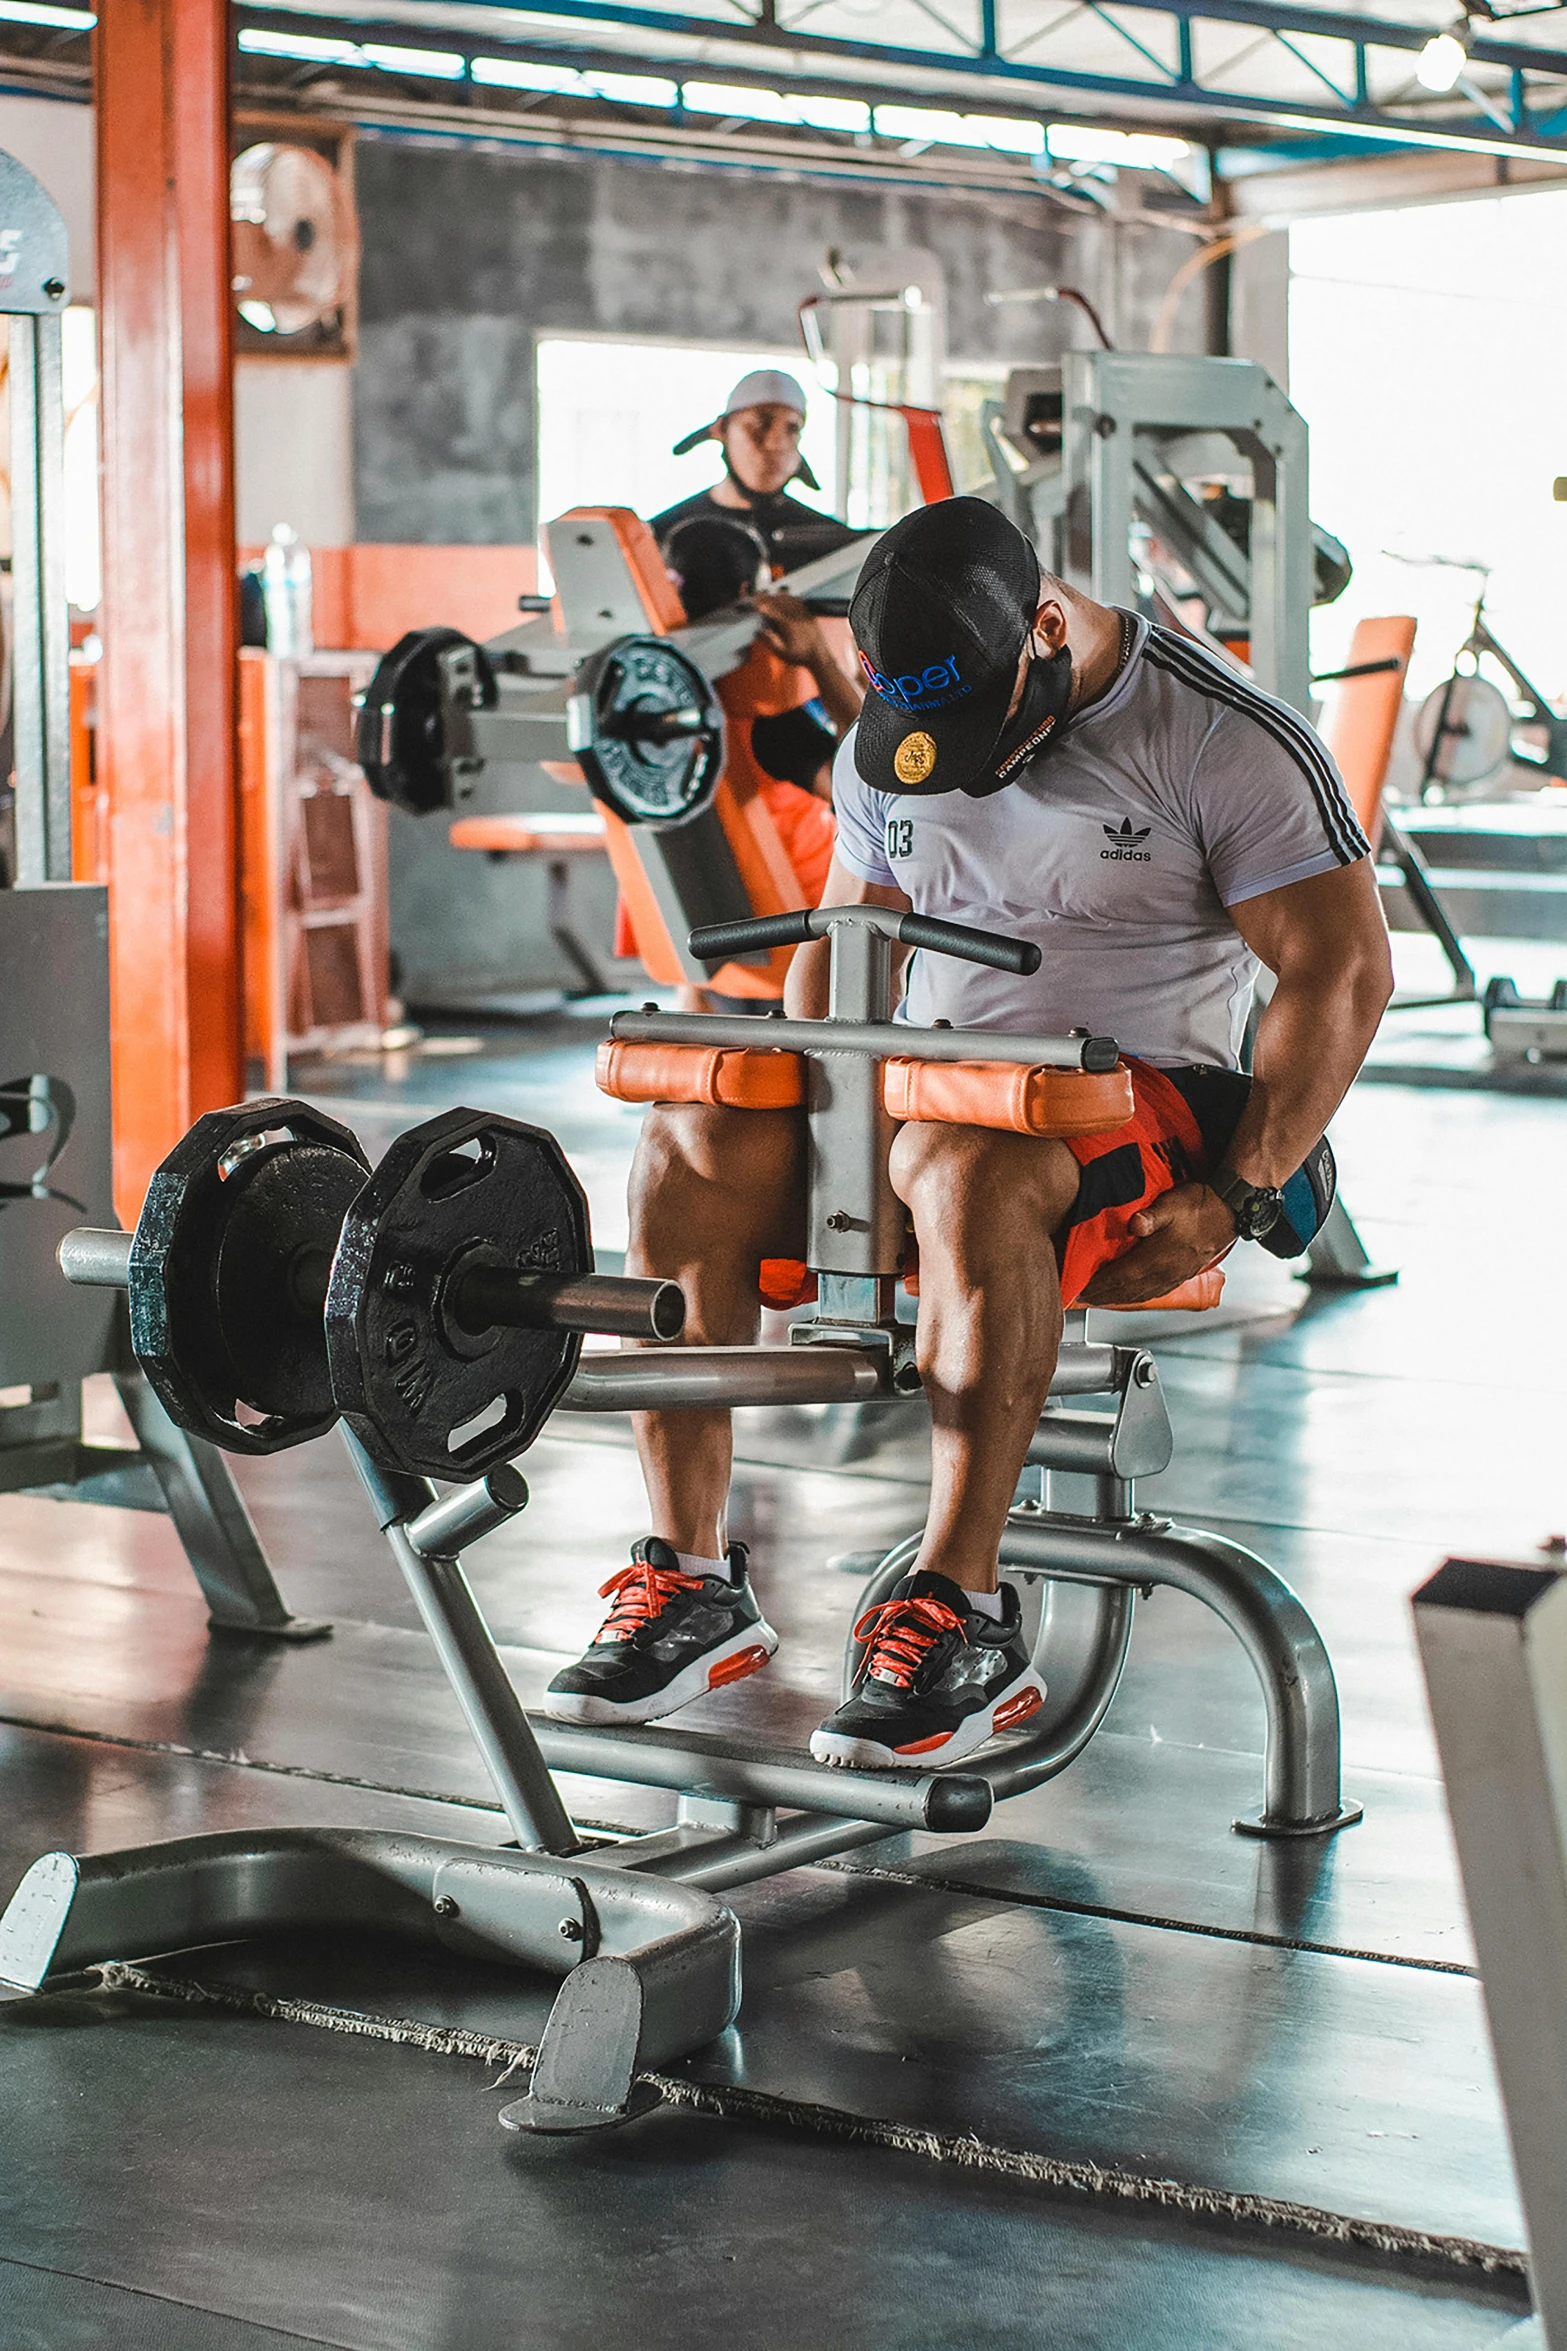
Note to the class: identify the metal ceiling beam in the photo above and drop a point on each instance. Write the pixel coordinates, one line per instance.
(1506, 125)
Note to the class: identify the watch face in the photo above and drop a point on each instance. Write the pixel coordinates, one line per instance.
(1259, 1213)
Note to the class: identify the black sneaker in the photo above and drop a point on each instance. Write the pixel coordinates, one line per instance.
(936, 1679)
(669, 1638)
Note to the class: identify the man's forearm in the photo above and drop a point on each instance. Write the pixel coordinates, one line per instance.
(841, 697)
(805, 987)
(1311, 1042)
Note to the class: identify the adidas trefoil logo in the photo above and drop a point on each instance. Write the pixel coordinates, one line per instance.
(1128, 840)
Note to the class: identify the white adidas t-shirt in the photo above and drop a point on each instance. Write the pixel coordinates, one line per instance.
(1181, 792)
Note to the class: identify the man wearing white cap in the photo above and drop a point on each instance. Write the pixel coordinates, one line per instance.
(732, 541)
(759, 433)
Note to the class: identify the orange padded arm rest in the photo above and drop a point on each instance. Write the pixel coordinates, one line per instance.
(1007, 1094)
(733, 1080)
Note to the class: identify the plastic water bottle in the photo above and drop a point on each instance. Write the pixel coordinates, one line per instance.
(286, 593)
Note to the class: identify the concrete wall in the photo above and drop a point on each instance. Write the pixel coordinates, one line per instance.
(467, 256)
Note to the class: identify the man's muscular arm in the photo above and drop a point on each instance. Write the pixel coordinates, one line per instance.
(805, 989)
(1326, 943)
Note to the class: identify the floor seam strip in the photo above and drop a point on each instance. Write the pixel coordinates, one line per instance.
(1147, 1918)
(619, 1829)
(83, 2277)
(730, 2102)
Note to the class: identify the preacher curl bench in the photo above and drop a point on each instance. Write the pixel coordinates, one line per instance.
(436, 1307)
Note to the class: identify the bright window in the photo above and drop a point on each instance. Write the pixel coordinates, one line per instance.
(610, 413)
(1428, 353)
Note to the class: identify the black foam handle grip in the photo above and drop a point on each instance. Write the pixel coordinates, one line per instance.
(969, 946)
(715, 941)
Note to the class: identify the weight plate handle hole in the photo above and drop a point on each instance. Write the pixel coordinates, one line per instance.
(456, 1169)
(478, 1424)
(242, 1150)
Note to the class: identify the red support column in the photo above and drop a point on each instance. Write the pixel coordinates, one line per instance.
(166, 708)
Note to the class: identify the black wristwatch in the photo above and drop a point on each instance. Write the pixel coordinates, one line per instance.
(1256, 1208)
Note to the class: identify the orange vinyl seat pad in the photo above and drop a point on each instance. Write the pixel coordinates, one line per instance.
(1013, 1096)
(728, 1078)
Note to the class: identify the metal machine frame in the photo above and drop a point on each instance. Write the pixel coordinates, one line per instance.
(54, 1026)
(1099, 445)
(549, 1906)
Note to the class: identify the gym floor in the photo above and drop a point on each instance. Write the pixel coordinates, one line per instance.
(1108, 1977)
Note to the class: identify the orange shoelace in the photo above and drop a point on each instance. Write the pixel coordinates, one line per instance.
(640, 1593)
(900, 1632)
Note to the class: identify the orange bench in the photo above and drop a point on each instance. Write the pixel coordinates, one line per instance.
(1011, 1097)
(557, 839)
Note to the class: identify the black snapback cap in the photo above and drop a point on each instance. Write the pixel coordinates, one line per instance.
(944, 607)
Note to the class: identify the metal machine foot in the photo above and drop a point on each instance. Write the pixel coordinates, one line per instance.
(213, 1524)
(585, 2075)
(1338, 1258)
(659, 1964)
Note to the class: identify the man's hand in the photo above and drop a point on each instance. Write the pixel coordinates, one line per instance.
(792, 629)
(1178, 1235)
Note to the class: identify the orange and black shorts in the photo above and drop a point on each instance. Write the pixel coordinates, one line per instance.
(1181, 1125)
(1125, 1171)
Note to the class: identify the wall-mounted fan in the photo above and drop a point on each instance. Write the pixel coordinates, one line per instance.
(295, 243)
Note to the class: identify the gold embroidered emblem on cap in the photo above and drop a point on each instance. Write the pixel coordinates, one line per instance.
(914, 759)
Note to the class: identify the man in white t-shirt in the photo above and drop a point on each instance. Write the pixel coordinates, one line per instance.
(1029, 762)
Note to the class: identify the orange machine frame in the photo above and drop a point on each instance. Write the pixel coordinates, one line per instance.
(762, 684)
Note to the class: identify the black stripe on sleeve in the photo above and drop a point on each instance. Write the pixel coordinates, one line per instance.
(1191, 666)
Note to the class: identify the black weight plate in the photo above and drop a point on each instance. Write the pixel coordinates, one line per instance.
(400, 737)
(465, 1188)
(228, 1270)
(632, 688)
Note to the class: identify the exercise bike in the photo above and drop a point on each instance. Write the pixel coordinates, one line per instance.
(1466, 729)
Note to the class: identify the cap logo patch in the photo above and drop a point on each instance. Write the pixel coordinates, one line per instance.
(914, 759)
(923, 689)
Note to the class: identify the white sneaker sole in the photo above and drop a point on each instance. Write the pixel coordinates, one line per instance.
(745, 1652)
(1009, 1712)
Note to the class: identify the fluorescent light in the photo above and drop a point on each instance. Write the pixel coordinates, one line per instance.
(68, 20)
(311, 48)
(832, 114)
(720, 98)
(1072, 142)
(934, 128)
(1440, 63)
(620, 89)
(632, 89)
(443, 65)
(1391, 135)
(783, 106)
(521, 73)
(440, 65)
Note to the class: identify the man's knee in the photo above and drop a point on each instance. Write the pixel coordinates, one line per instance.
(694, 1158)
(956, 1179)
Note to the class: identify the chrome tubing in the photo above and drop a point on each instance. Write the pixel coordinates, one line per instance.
(73, 1912)
(96, 1258)
(718, 1862)
(1301, 1786)
(713, 1378)
(885, 1040)
(702, 1761)
(471, 1662)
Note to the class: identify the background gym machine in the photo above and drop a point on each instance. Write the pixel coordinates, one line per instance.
(54, 1033)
